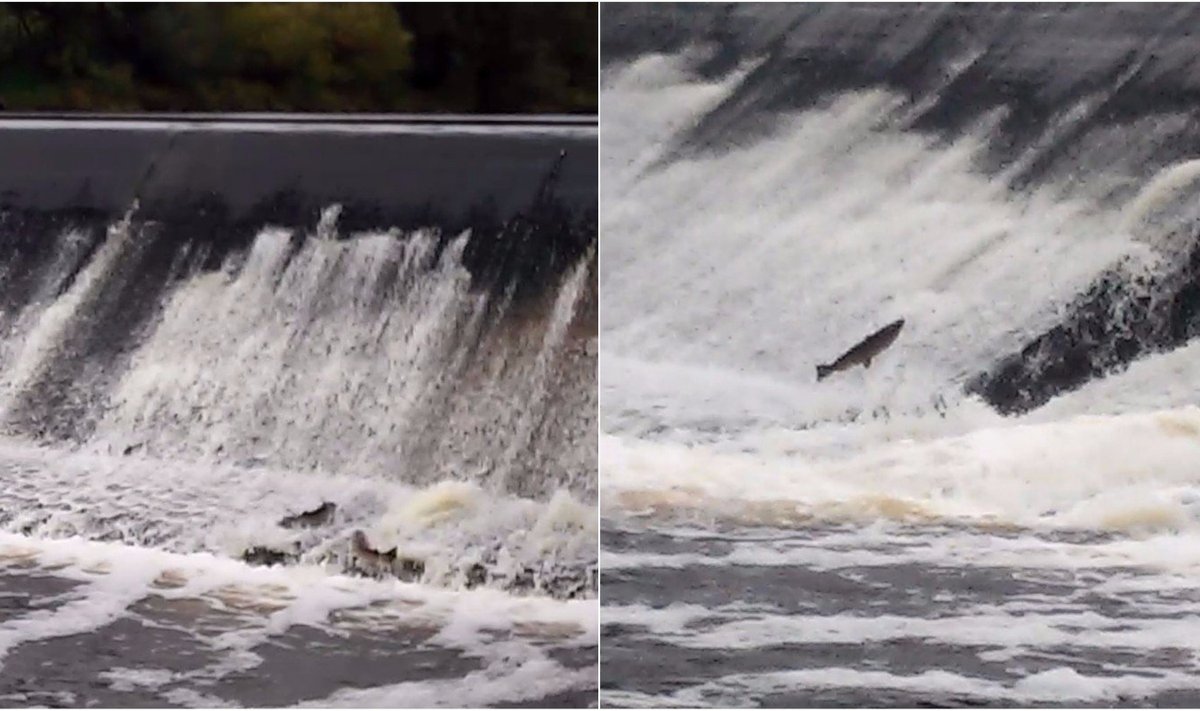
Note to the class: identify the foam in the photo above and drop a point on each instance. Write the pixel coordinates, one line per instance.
(1076, 473)
(1160, 189)
(1057, 685)
(1171, 554)
(739, 256)
(369, 353)
(270, 601)
(1013, 631)
(527, 681)
(811, 248)
(450, 526)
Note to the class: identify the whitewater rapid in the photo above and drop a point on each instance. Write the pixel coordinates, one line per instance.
(181, 384)
(766, 281)
(886, 536)
(202, 629)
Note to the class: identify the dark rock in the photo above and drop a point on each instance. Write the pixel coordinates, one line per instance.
(476, 575)
(262, 555)
(1122, 317)
(409, 569)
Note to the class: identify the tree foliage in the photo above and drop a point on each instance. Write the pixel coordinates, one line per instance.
(468, 57)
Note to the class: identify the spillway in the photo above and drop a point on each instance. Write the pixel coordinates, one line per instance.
(213, 325)
(981, 516)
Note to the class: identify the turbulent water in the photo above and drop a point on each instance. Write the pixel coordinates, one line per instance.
(170, 396)
(1004, 508)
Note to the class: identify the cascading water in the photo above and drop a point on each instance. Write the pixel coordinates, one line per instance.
(181, 384)
(983, 514)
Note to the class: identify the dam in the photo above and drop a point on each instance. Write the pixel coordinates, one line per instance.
(993, 513)
(213, 324)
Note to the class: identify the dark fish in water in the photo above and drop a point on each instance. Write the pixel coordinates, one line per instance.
(263, 555)
(319, 516)
(862, 353)
(370, 559)
(368, 554)
(376, 562)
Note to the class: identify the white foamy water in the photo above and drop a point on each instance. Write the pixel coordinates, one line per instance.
(1076, 473)
(451, 527)
(834, 226)
(229, 621)
(879, 537)
(369, 354)
(174, 403)
(364, 371)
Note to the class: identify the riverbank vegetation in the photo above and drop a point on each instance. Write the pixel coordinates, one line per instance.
(330, 57)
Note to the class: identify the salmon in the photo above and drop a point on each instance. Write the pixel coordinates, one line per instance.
(864, 352)
(319, 516)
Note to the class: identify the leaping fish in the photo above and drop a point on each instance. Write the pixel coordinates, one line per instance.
(862, 353)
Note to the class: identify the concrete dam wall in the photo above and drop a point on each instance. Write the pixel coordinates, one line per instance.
(406, 304)
(1089, 108)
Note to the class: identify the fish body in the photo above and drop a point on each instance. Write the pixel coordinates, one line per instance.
(319, 516)
(373, 561)
(864, 351)
(369, 555)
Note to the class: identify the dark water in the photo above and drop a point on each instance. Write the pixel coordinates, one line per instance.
(876, 623)
(167, 652)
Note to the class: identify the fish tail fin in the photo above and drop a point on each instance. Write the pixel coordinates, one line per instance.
(823, 371)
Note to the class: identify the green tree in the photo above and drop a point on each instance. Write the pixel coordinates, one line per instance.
(299, 57)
